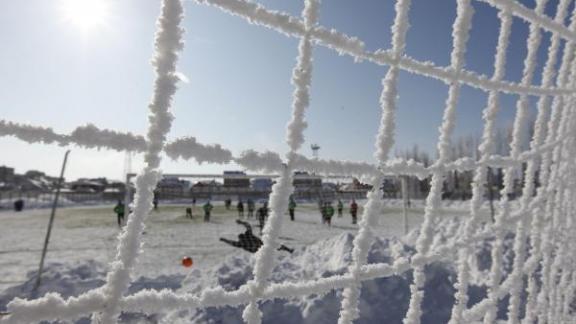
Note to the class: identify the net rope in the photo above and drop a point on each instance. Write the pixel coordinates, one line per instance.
(542, 221)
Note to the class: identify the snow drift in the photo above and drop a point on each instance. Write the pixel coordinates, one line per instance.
(384, 300)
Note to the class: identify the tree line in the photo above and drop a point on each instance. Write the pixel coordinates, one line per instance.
(458, 184)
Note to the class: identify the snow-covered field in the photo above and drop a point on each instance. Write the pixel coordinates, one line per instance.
(84, 241)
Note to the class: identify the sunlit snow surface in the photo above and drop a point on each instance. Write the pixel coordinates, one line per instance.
(84, 240)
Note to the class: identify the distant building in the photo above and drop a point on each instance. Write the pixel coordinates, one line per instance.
(357, 185)
(305, 181)
(25, 184)
(30, 181)
(116, 186)
(236, 179)
(262, 184)
(34, 174)
(329, 186)
(207, 184)
(6, 174)
(47, 181)
(170, 185)
(6, 178)
(88, 185)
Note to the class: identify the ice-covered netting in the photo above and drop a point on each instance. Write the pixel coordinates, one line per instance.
(189, 148)
(543, 273)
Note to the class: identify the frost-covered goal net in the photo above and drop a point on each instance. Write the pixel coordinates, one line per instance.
(542, 279)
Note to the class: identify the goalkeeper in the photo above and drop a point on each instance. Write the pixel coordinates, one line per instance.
(250, 242)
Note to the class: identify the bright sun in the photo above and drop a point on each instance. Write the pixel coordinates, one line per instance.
(86, 14)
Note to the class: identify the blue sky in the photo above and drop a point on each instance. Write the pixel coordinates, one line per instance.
(239, 94)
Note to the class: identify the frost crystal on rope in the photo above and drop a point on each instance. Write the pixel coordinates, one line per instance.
(542, 273)
(167, 44)
(281, 191)
(460, 34)
(486, 149)
(384, 141)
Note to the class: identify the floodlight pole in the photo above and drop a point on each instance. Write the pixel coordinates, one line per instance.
(52, 214)
(315, 148)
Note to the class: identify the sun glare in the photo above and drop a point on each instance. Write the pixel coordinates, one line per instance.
(87, 15)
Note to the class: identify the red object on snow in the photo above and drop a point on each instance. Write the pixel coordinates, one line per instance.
(187, 262)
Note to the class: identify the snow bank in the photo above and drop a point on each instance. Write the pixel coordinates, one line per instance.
(75, 279)
(66, 280)
(383, 300)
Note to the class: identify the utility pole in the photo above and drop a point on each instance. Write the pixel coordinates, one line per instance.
(51, 222)
(405, 199)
